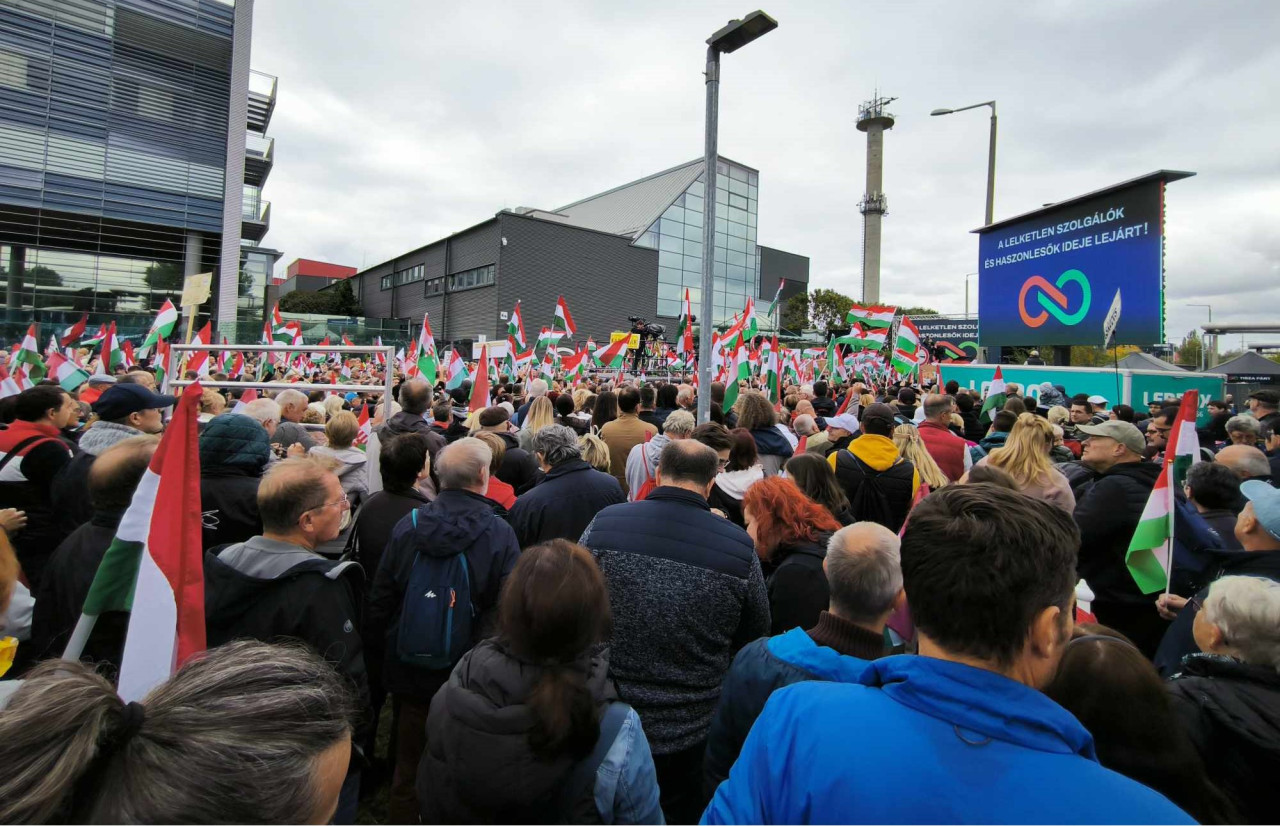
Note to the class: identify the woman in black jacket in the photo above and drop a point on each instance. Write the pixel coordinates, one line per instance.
(817, 480)
(790, 533)
(1228, 698)
(234, 451)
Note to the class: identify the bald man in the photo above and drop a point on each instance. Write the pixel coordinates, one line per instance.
(1245, 461)
(865, 579)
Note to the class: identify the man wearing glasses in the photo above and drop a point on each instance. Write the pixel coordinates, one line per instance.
(1158, 427)
(275, 586)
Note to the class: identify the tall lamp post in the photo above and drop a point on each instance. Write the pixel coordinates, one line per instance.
(732, 37)
(1204, 357)
(991, 152)
(967, 276)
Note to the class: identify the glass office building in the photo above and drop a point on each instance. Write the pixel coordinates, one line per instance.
(121, 123)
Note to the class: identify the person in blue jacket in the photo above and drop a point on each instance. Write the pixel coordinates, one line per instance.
(959, 733)
(865, 580)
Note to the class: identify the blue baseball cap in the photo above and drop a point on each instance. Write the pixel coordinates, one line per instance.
(1266, 504)
(120, 400)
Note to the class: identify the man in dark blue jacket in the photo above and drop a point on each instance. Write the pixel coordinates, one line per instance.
(460, 520)
(866, 587)
(569, 496)
(687, 593)
(989, 574)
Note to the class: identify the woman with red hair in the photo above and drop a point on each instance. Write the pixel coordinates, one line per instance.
(790, 532)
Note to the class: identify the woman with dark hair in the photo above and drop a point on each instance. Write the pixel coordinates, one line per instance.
(1123, 413)
(605, 411)
(755, 414)
(817, 480)
(741, 472)
(529, 729)
(1115, 692)
(790, 533)
(666, 403)
(565, 409)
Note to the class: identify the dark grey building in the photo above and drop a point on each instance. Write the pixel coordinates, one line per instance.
(133, 152)
(633, 250)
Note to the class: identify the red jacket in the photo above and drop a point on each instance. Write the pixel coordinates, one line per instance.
(946, 448)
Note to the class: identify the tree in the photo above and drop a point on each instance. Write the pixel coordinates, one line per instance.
(345, 299)
(1191, 350)
(163, 276)
(917, 311)
(337, 301)
(42, 276)
(828, 311)
(795, 312)
(1086, 356)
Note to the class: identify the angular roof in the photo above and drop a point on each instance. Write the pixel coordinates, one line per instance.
(1249, 364)
(1146, 361)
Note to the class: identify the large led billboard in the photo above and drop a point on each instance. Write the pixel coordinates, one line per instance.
(1051, 276)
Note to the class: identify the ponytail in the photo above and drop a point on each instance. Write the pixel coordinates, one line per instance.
(565, 713)
(51, 733)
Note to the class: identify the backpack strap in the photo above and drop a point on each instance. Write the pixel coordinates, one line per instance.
(644, 460)
(27, 442)
(582, 776)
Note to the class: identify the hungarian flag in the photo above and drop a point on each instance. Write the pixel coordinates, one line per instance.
(163, 325)
(905, 347)
(161, 361)
(749, 328)
(8, 384)
(685, 336)
(97, 338)
(247, 396)
(428, 360)
(769, 364)
(1150, 554)
(267, 336)
(773, 305)
(480, 389)
(237, 366)
(995, 397)
(379, 358)
(563, 321)
(126, 354)
(68, 375)
(547, 338)
(154, 567)
(29, 354)
(576, 364)
(365, 429)
(739, 370)
(457, 370)
(73, 333)
(321, 358)
(613, 355)
(199, 359)
(862, 338)
(871, 315)
(515, 327)
(548, 366)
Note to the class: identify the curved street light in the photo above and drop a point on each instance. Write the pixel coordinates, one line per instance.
(991, 151)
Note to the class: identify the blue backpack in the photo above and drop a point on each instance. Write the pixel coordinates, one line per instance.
(437, 614)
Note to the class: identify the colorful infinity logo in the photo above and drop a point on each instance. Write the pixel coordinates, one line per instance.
(1053, 300)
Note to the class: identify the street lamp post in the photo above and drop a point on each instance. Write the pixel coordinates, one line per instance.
(1204, 358)
(967, 276)
(732, 37)
(991, 153)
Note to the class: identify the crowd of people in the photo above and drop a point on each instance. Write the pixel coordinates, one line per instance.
(572, 602)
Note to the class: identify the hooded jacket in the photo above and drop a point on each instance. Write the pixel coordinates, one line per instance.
(981, 747)
(893, 475)
(773, 447)
(403, 422)
(25, 483)
(1231, 710)
(519, 467)
(478, 729)
(563, 504)
(350, 470)
(70, 488)
(642, 463)
(797, 585)
(458, 521)
(760, 669)
(1107, 516)
(264, 589)
(729, 488)
(234, 451)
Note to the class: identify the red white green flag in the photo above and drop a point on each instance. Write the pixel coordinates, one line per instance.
(73, 333)
(163, 325)
(154, 568)
(428, 360)
(364, 429)
(480, 389)
(739, 370)
(871, 315)
(613, 355)
(68, 374)
(563, 320)
(29, 354)
(457, 370)
(199, 359)
(515, 327)
(685, 336)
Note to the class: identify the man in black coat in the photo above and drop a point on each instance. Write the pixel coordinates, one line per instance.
(823, 405)
(519, 469)
(460, 520)
(569, 496)
(60, 597)
(1107, 513)
(415, 402)
(234, 451)
(687, 593)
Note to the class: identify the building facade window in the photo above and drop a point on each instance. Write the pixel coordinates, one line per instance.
(677, 235)
(386, 282)
(468, 279)
(435, 286)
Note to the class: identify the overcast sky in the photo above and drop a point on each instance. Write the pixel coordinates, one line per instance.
(399, 122)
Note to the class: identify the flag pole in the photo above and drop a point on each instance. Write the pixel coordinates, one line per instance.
(79, 637)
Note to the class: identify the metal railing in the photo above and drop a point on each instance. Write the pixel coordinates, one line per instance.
(175, 362)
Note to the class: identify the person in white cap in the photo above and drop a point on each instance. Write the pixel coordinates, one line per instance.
(1099, 404)
(840, 431)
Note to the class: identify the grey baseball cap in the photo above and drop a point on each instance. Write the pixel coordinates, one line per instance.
(1123, 432)
(1266, 504)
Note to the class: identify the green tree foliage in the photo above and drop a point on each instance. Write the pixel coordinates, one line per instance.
(917, 311)
(795, 312)
(164, 276)
(345, 301)
(42, 276)
(336, 301)
(1190, 350)
(828, 310)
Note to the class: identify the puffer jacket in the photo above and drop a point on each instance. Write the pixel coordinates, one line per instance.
(1231, 710)
(773, 447)
(234, 451)
(479, 728)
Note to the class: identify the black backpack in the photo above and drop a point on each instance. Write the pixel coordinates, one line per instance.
(868, 501)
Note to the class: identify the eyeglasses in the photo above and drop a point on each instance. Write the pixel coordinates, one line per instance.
(723, 463)
(343, 502)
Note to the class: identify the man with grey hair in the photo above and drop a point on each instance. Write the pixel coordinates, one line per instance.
(536, 388)
(293, 404)
(948, 450)
(1226, 701)
(642, 461)
(865, 579)
(1243, 430)
(460, 521)
(265, 412)
(815, 440)
(1246, 461)
(686, 397)
(570, 494)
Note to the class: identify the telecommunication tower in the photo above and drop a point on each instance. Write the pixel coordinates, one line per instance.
(873, 118)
